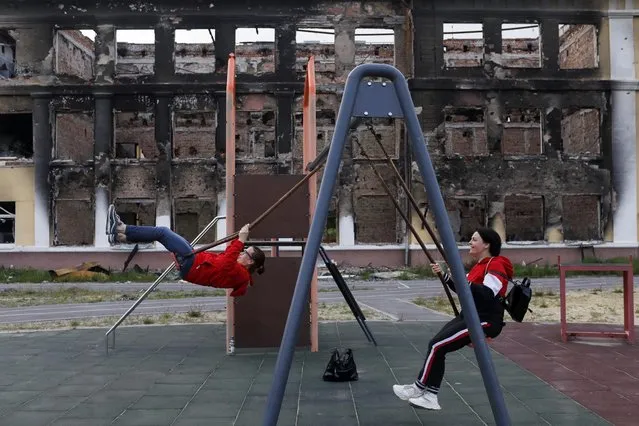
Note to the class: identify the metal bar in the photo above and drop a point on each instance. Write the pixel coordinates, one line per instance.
(409, 195)
(157, 281)
(309, 137)
(263, 215)
(300, 295)
(410, 225)
(229, 145)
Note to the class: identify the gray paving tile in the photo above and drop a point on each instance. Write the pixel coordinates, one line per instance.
(211, 410)
(31, 418)
(52, 403)
(70, 421)
(134, 379)
(151, 417)
(207, 421)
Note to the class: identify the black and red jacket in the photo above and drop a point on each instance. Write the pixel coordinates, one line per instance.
(488, 280)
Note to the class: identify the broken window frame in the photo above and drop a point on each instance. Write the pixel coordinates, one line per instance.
(267, 58)
(7, 215)
(597, 54)
(210, 54)
(7, 41)
(480, 55)
(140, 74)
(504, 43)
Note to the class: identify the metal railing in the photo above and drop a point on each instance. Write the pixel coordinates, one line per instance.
(206, 229)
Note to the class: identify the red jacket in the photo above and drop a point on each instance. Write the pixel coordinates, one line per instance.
(492, 272)
(221, 270)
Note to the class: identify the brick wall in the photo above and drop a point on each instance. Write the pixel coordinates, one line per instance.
(581, 217)
(74, 54)
(135, 128)
(521, 133)
(74, 137)
(578, 47)
(524, 217)
(580, 132)
(465, 132)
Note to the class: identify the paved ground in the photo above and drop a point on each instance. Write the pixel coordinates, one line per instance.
(179, 375)
(601, 374)
(391, 297)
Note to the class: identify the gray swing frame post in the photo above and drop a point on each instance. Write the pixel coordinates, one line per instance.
(374, 99)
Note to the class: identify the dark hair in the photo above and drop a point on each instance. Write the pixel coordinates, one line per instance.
(258, 257)
(492, 238)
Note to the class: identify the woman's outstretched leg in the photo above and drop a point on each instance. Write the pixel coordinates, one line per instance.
(121, 233)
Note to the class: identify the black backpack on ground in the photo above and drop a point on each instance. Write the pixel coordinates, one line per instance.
(341, 367)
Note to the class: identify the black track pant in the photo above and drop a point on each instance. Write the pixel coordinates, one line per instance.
(452, 337)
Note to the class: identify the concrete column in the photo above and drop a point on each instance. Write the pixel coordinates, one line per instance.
(224, 45)
(42, 153)
(163, 139)
(105, 54)
(624, 129)
(344, 63)
(102, 150)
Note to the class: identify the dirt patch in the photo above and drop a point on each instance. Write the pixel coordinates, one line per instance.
(595, 306)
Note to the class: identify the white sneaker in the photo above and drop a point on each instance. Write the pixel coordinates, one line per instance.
(426, 400)
(406, 392)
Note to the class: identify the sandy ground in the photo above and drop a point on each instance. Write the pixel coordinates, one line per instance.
(585, 306)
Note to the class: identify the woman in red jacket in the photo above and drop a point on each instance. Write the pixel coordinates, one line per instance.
(488, 281)
(231, 269)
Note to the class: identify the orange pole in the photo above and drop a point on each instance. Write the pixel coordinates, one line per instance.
(309, 154)
(230, 185)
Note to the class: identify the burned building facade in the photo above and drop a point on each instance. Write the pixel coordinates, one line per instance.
(532, 135)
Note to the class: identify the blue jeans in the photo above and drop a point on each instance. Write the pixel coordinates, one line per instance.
(173, 242)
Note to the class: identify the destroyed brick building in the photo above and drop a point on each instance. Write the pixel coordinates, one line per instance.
(533, 134)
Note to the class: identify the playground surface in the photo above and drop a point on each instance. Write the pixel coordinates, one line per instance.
(180, 375)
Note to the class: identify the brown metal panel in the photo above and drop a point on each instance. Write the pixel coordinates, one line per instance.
(260, 315)
(254, 194)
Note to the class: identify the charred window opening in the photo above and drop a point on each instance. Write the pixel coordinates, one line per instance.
(580, 132)
(331, 232)
(74, 54)
(74, 136)
(463, 45)
(135, 135)
(520, 47)
(194, 134)
(195, 51)
(522, 132)
(255, 50)
(7, 222)
(578, 46)
(374, 45)
(465, 132)
(7, 55)
(375, 217)
(320, 43)
(524, 218)
(466, 214)
(16, 135)
(255, 126)
(191, 216)
(136, 212)
(135, 52)
(581, 217)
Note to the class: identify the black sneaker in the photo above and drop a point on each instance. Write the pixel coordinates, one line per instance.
(112, 223)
